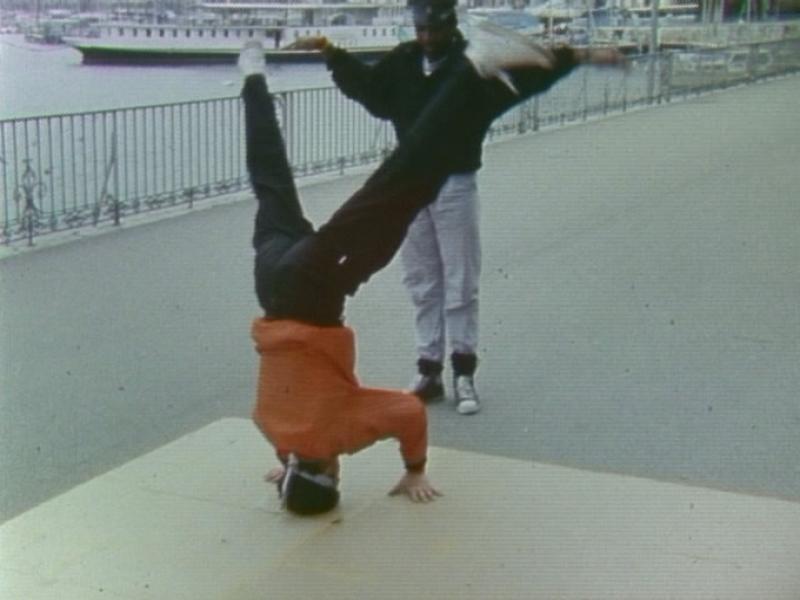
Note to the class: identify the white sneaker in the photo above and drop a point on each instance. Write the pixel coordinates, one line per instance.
(467, 401)
(493, 48)
(251, 58)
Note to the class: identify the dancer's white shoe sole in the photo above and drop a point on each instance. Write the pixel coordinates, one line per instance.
(493, 49)
(251, 59)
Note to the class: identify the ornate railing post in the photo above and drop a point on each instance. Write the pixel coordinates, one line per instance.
(29, 191)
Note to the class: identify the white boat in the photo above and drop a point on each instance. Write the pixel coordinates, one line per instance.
(558, 11)
(217, 35)
(51, 27)
(521, 21)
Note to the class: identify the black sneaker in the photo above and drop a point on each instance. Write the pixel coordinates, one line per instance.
(429, 388)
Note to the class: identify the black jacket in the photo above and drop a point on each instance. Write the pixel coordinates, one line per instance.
(396, 88)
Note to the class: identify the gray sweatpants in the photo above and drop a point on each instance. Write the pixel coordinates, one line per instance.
(441, 259)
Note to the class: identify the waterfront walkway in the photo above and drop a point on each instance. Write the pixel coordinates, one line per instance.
(640, 352)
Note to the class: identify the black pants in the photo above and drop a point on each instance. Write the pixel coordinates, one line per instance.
(304, 274)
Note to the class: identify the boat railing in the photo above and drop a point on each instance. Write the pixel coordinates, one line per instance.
(73, 172)
(390, 31)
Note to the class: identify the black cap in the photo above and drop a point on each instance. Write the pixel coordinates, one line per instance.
(304, 490)
(433, 13)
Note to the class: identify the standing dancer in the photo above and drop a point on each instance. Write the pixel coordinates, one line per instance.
(441, 255)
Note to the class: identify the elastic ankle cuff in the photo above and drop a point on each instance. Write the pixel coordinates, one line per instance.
(429, 367)
(464, 364)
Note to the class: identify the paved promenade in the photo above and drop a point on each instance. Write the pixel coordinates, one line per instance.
(640, 317)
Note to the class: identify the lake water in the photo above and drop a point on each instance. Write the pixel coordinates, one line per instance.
(38, 80)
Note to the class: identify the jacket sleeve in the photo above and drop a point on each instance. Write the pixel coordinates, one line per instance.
(369, 85)
(381, 414)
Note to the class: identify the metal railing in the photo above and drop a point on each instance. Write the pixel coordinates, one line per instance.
(79, 170)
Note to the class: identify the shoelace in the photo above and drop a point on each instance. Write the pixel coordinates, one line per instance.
(465, 389)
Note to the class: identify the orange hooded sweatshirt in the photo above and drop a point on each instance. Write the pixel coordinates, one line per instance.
(310, 402)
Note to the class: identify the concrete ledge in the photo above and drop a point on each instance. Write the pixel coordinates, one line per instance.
(194, 520)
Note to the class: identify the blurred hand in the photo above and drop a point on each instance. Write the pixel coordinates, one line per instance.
(417, 487)
(275, 475)
(606, 57)
(316, 42)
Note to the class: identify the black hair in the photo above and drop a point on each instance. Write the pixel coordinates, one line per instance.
(436, 4)
(306, 497)
(438, 14)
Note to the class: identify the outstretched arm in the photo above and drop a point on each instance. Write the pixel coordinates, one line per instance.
(369, 85)
(536, 78)
(413, 443)
(380, 414)
(512, 82)
(516, 68)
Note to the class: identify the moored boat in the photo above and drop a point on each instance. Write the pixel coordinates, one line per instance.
(163, 44)
(368, 30)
